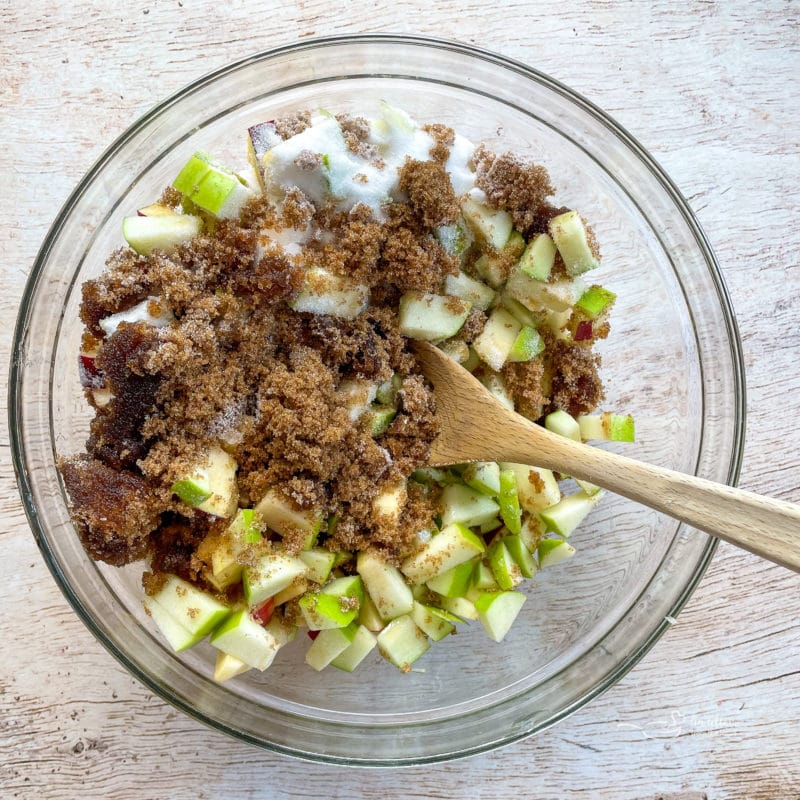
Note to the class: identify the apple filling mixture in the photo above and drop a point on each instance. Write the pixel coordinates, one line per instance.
(262, 426)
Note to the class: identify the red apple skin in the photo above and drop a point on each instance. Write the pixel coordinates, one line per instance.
(312, 634)
(263, 614)
(91, 377)
(583, 331)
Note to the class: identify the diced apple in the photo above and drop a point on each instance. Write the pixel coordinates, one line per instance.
(261, 138)
(297, 588)
(378, 419)
(607, 427)
(595, 300)
(527, 345)
(460, 607)
(226, 568)
(192, 608)
(495, 341)
(357, 395)
(431, 316)
(388, 504)
(532, 532)
(211, 486)
(497, 612)
(368, 615)
(153, 311)
(282, 516)
(570, 237)
(567, 514)
(212, 187)
(535, 295)
(526, 317)
(518, 550)
(492, 227)
(554, 551)
(433, 622)
(537, 260)
(329, 644)
(401, 643)
(387, 392)
(563, 424)
(363, 643)
(179, 637)
(455, 238)
(495, 266)
(478, 294)
(336, 605)
(148, 234)
(506, 571)
(330, 295)
(244, 639)
(454, 582)
(508, 499)
(483, 476)
(452, 546)
(496, 385)
(455, 349)
(385, 586)
(227, 667)
(483, 577)
(319, 563)
(157, 210)
(537, 488)
(462, 504)
(270, 574)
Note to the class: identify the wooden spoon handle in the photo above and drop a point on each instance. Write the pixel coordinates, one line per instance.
(767, 527)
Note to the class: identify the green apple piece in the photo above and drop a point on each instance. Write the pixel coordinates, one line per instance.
(336, 605)
(242, 637)
(270, 574)
(432, 622)
(342, 557)
(526, 346)
(297, 588)
(261, 138)
(385, 586)
(494, 266)
(363, 643)
(510, 510)
(607, 427)
(357, 396)
(524, 316)
(329, 644)
(178, 637)
(496, 386)
(428, 476)
(454, 545)
(484, 476)
(567, 514)
(483, 577)
(281, 515)
(455, 238)
(455, 349)
(387, 392)
(242, 532)
(211, 486)
(478, 294)
(379, 418)
(538, 258)
(569, 234)
(473, 361)
(454, 582)
(212, 187)
(194, 609)
(491, 227)
(227, 667)
(460, 607)
(368, 615)
(495, 341)
(497, 612)
(518, 550)
(401, 642)
(431, 316)
(532, 532)
(535, 295)
(491, 525)
(563, 424)
(462, 504)
(148, 234)
(319, 563)
(195, 169)
(595, 300)
(506, 571)
(553, 551)
(589, 488)
(537, 488)
(157, 210)
(331, 295)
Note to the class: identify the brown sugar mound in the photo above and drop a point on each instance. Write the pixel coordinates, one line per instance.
(576, 385)
(520, 187)
(525, 382)
(114, 510)
(430, 193)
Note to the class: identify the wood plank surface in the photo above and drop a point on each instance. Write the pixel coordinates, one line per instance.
(711, 88)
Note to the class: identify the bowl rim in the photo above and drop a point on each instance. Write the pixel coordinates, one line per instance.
(388, 39)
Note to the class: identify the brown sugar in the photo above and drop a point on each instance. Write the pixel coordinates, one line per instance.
(525, 383)
(576, 384)
(430, 193)
(443, 138)
(292, 124)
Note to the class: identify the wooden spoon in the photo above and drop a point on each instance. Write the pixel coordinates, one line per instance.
(474, 426)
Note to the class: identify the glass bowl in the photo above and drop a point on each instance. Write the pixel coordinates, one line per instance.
(673, 360)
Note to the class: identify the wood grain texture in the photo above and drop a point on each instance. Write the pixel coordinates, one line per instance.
(711, 89)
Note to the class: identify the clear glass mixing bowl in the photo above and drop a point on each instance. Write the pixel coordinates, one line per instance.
(673, 360)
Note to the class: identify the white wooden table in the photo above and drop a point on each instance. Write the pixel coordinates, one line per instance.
(712, 90)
